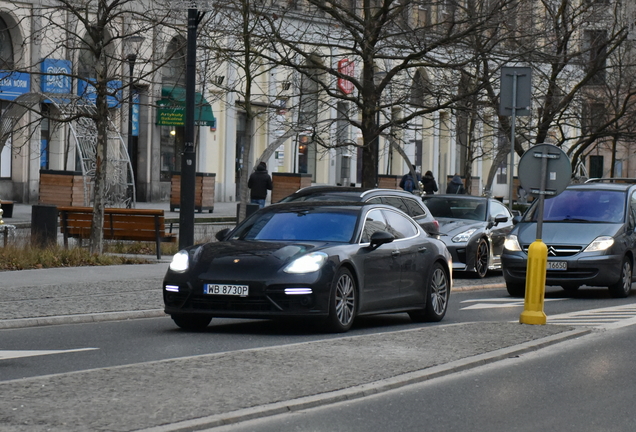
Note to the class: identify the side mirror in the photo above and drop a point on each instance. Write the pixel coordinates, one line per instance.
(500, 218)
(221, 235)
(380, 237)
(516, 220)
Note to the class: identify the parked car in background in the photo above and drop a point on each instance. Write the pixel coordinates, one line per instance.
(331, 261)
(407, 202)
(473, 228)
(589, 230)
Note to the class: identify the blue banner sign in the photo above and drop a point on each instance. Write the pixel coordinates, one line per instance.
(87, 91)
(135, 113)
(56, 76)
(14, 84)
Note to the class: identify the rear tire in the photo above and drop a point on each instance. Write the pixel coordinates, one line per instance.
(437, 294)
(623, 287)
(192, 322)
(516, 289)
(343, 302)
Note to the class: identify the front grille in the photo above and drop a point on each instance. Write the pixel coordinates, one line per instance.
(273, 302)
(559, 250)
(588, 273)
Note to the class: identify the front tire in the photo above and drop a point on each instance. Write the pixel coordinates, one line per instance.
(343, 302)
(437, 293)
(482, 257)
(516, 289)
(623, 287)
(192, 322)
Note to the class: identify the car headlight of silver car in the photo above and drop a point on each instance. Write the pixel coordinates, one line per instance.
(307, 263)
(464, 236)
(180, 261)
(512, 243)
(600, 244)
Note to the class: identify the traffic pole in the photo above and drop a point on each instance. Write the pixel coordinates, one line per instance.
(535, 284)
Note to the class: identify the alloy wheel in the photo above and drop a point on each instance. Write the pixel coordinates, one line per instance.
(439, 291)
(345, 299)
(481, 259)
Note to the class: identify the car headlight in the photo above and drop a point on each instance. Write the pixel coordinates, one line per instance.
(463, 237)
(600, 244)
(180, 261)
(307, 263)
(512, 243)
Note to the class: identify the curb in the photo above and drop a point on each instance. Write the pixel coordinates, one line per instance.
(478, 287)
(364, 390)
(80, 319)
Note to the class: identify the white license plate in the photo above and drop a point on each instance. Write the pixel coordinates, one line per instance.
(223, 289)
(557, 265)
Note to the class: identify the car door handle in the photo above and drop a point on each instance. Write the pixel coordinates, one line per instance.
(421, 249)
(395, 253)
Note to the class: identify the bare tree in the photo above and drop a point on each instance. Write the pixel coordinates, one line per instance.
(90, 34)
(395, 44)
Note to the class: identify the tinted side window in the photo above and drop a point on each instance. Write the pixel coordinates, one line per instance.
(376, 200)
(398, 225)
(415, 210)
(373, 222)
(397, 203)
(632, 209)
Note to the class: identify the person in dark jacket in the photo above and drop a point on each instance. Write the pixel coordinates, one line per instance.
(408, 183)
(259, 183)
(428, 183)
(456, 185)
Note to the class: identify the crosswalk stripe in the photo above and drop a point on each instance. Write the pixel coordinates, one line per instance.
(613, 317)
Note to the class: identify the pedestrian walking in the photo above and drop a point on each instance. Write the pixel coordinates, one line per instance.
(456, 185)
(408, 183)
(429, 184)
(259, 183)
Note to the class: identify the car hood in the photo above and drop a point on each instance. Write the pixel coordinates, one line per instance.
(452, 227)
(565, 233)
(236, 258)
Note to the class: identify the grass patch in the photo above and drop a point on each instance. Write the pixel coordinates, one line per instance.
(24, 257)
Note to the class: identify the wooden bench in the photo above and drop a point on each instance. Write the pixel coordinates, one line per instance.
(7, 207)
(119, 224)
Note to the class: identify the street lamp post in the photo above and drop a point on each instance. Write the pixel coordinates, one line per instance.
(132, 44)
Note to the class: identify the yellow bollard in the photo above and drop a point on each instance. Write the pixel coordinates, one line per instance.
(535, 284)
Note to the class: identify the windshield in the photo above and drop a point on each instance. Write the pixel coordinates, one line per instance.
(305, 225)
(582, 206)
(457, 208)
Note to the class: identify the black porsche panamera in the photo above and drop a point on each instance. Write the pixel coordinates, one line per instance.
(329, 261)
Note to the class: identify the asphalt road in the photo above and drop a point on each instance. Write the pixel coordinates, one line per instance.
(116, 343)
(586, 384)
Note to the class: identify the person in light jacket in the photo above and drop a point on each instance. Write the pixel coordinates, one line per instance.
(259, 183)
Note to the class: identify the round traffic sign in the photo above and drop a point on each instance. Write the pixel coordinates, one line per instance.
(558, 172)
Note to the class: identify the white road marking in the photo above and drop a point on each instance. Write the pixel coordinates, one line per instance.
(5, 355)
(607, 318)
(495, 303)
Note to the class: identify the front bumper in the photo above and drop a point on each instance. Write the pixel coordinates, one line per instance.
(265, 300)
(582, 269)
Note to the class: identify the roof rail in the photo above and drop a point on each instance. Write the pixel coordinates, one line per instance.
(611, 180)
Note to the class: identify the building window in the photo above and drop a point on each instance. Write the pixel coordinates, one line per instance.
(596, 166)
(595, 49)
(502, 174)
(593, 117)
(6, 47)
(172, 137)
